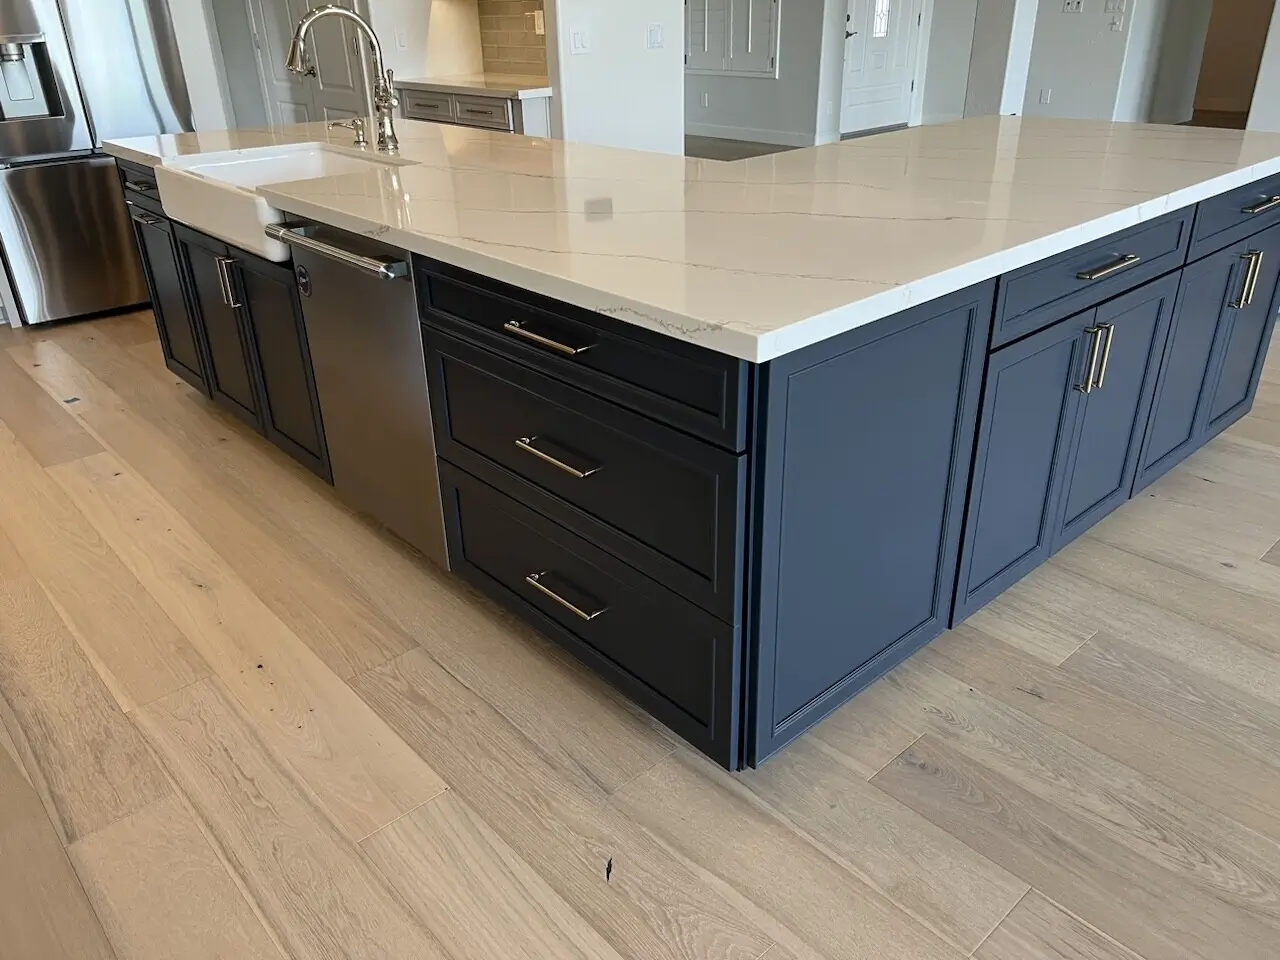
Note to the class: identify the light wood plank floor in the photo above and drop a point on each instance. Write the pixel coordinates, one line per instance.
(236, 721)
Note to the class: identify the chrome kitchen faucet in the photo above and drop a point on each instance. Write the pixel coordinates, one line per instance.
(384, 98)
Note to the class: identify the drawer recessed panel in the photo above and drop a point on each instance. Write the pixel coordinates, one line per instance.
(422, 105)
(483, 112)
(1236, 215)
(677, 497)
(1040, 294)
(677, 661)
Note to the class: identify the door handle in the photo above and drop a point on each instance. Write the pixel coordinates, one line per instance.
(1109, 330)
(1095, 349)
(1269, 204)
(527, 445)
(536, 580)
(518, 329)
(1253, 279)
(228, 285)
(384, 268)
(1123, 263)
(1249, 287)
(148, 219)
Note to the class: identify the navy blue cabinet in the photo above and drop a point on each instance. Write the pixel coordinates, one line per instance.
(162, 266)
(863, 456)
(1112, 422)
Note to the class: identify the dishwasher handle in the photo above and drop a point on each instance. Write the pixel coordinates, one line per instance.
(384, 268)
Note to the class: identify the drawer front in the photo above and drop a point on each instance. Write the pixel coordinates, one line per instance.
(483, 112)
(140, 188)
(695, 390)
(1032, 298)
(420, 105)
(677, 499)
(676, 661)
(1233, 216)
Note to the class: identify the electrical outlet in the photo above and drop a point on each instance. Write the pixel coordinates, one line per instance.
(653, 37)
(579, 41)
(706, 99)
(1046, 94)
(1073, 6)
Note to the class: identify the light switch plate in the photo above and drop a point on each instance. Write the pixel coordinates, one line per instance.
(579, 41)
(653, 37)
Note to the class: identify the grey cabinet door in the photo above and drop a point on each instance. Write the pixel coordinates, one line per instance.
(1244, 336)
(1113, 419)
(1028, 421)
(161, 265)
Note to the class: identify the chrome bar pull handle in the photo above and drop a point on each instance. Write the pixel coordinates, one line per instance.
(1095, 347)
(1109, 330)
(527, 445)
(1246, 289)
(517, 329)
(1255, 274)
(222, 282)
(384, 268)
(1123, 263)
(535, 580)
(1269, 204)
(228, 285)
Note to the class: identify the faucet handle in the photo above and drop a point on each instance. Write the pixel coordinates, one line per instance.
(355, 123)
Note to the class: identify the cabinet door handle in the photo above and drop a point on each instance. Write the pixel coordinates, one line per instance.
(1124, 263)
(518, 329)
(535, 580)
(146, 218)
(527, 445)
(1250, 279)
(228, 287)
(1269, 204)
(151, 188)
(479, 113)
(1095, 347)
(1109, 330)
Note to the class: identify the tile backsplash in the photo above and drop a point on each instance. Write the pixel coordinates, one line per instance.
(508, 40)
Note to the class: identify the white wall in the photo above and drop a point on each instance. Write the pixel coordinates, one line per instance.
(831, 70)
(1232, 54)
(999, 55)
(782, 110)
(1181, 46)
(196, 47)
(1265, 114)
(1022, 33)
(1136, 93)
(621, 93)
(946, 76)
(451, 39)
(1079, 58)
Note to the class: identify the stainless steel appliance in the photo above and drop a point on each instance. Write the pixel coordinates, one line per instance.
(73, 73)
(361, 318)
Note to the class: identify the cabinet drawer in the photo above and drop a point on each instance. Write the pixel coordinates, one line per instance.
(676, 661)
(140, 188)
(673, 503)
(483, 112)
(1233, 216)
(420, 105)
(1042, 293)
(696, 390)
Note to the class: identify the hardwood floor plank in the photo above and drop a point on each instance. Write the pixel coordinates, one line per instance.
(319, 895)
(161, 892)
(129, 329)
(711, 820)
(474, 892)
(44, 914)
(40, 422)
(137, 649)
(1041, 615)
(1220, 497)
(469, 635)
(1201, 847)
(7, 719)
(87, 762)
(1147, 909)
(650, 907)
(12, 566)
(870, 730)
(1118, 709)
(1038, 929)
(362, 773)
(920, 868)
(311, 595)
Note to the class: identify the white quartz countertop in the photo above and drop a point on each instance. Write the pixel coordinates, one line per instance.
(510, 86)
(760, 257)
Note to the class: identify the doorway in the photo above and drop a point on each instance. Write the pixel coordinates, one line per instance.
(882, 40)
(253, 38)
(1233, 45)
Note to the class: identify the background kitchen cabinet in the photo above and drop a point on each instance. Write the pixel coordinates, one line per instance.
(162, 267)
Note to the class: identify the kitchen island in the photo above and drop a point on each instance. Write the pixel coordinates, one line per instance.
(743, 436)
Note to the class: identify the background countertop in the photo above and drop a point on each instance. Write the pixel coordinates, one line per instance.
(760, 257)
(507, 85)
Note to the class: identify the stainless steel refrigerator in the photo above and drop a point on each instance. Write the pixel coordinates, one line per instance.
(73, 73)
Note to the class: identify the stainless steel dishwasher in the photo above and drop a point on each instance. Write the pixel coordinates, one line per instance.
(366, 345)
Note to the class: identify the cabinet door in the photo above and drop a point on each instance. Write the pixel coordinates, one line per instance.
(290, 408)
(1180, 409)
(162, 267)
(214, 304)
(1244, 336)
(1113, 420)
(1028, 421)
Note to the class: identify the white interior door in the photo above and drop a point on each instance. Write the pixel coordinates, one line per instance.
(879, 63)
(336, 92)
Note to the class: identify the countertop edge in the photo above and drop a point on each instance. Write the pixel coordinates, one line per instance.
(503, 92)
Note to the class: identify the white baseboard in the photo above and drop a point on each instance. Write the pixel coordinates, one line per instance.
(787, 138)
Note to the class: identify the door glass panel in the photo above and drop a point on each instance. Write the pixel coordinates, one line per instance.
(880, 23)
